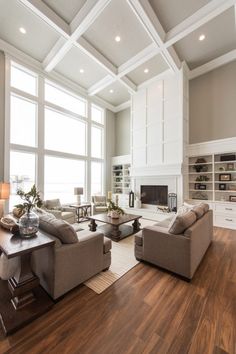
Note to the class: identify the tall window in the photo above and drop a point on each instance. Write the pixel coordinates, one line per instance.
(49, 137)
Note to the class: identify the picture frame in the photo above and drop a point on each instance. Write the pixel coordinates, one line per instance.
(222, 186)
(230, 166)
(202, 187)
(225, 177)
(232, 198)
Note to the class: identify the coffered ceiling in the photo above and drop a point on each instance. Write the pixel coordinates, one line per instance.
(108, 48)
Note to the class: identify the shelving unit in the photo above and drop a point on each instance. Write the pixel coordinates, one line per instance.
(121, 179)
(217, 180)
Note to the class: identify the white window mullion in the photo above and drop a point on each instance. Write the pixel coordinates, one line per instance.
(40, 132)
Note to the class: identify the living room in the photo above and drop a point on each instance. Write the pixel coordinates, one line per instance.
(117, 176)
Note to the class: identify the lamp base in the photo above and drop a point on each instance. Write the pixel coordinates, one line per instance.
(78, 199)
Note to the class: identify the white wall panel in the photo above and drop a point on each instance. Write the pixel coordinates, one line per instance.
(154, 154)
(154, 134)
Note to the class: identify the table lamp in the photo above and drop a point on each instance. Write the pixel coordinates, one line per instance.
(78, 191)
(4, 195)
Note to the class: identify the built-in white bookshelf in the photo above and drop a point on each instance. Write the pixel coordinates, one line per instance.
(212, 177)
(121, 179)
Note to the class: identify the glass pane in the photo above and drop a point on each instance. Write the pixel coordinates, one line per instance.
(23, 80)
(97, 114)
(61, 177)
(96, 178)
(22, 174)
(23, 122)
(63, 133)
(96, 142)
(63, 99)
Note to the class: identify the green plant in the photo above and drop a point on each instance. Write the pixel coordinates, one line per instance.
(31, 199)
(113, 207)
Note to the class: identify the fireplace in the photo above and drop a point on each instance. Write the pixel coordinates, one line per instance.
(154, 195)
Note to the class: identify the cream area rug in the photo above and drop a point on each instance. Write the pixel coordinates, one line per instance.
(122, 260)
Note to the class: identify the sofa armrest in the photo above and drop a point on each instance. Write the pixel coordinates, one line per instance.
(166, 250)
(67, 208)
(56, 213)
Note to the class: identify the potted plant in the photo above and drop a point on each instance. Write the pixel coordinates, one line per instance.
(29, 221)
(114, 211)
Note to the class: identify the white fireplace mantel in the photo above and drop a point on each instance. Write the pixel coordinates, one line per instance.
(157, 170)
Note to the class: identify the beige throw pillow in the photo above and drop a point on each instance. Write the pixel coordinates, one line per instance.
(182, 222)
(199, 211)
(58, 228)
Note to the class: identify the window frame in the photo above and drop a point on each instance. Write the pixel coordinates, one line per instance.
(39, 150)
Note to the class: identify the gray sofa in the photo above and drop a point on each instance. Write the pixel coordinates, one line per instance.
(64, 266)
(181, 253)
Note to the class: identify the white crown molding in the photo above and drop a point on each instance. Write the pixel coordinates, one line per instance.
(155, 78)
(199, 18)
(212, 147)
(122, 106)
(43, 11)
(213, 64)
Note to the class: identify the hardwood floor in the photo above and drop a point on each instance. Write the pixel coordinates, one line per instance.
(146, 311)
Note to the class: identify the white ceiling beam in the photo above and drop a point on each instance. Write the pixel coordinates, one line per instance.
(140, 58)
(85, 17)
(40, 9)
(99, 58)
(198, 19)
(153, 27)
(100, 85)
(132, 88)
(213, 64)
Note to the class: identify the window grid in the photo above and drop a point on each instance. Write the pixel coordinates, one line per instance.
(40, 150)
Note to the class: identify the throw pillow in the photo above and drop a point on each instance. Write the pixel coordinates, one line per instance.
(182, 222)
(198, 210)
(205, 206)
(58, 228)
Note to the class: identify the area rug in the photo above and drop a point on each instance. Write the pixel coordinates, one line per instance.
(122, 261)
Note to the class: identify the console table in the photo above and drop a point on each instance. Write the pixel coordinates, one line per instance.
(21, 297)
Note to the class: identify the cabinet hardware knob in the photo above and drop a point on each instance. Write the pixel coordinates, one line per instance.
(228, 219)
(228, 209)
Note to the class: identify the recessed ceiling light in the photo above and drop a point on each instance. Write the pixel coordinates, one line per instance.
(117, 38)
(81, 71)
(202, 37)
(146, 70)
(22, 30)
(111, 91)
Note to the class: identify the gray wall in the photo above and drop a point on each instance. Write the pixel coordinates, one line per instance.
(122, 129)
(110, 145)
(212, 105)
(2, 113)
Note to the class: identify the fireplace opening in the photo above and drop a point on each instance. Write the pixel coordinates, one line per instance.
(154, 195)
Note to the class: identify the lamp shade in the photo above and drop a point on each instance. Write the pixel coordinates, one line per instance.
(4, 190)
(78, 191)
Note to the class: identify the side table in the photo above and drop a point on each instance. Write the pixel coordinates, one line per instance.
(21, 297)
(83, 211)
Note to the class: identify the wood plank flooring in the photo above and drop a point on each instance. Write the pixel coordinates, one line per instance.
(146, 311)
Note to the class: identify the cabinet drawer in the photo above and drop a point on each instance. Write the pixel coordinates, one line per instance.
(225, 221)
(224, 208)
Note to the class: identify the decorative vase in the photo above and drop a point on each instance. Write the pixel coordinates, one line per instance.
(29, 224)
(115, 214)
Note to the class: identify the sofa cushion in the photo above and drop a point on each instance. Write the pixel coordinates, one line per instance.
(182, 222)
(53, 204)
(165, 222)
(99, 200)
(58, 228)
(198, 210)
(205, 206)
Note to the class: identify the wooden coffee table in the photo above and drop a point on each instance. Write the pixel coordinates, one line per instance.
(115, 228)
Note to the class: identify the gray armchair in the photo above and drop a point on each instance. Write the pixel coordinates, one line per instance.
(63, 212)
(99, 204)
